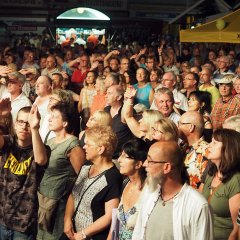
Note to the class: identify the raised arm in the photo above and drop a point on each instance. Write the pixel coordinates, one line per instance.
(39, 150)
(127, 112)
(108, 56)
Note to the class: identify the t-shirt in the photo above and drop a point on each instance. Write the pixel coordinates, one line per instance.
(219, 203)
(121, 129)
(161, 220)
(92, 205)
(19, 180)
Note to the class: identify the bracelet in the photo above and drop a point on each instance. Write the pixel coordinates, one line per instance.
(84, 236)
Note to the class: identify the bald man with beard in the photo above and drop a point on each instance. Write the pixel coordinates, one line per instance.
(170, 208)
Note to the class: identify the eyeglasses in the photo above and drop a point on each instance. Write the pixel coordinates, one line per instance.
(156, 130)
(152, 162)
(22, 123)
(189, 79)
(182, 123)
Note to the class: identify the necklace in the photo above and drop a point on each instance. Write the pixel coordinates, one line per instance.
(164, 201)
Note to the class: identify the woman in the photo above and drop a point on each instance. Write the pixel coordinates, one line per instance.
(99, 118)
(99, 100)
(143, 127)
(134, 153)
(222, 188)
(165, 130)
(201, 101)
(128, 79)
(145, 92)
(66, 159)
(86, 95)
(97, 189)
(58, 96)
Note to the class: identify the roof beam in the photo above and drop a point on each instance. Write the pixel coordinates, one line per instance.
(226, 6)
(186, 11)
(237, 5)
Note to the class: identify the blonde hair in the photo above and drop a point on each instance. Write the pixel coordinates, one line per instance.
(150, 117)
(169, 129)
(103, 136)
(103, 118)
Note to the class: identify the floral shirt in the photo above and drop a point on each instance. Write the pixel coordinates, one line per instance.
(196, 162)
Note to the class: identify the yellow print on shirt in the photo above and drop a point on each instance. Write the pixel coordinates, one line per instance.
(18, 168)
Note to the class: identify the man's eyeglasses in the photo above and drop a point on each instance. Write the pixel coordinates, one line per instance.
(22, 123)
(182, 123)
(152, 162)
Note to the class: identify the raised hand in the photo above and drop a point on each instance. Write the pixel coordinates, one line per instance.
(130, 93)
(4, 70)
(5, 107)
(34, 118)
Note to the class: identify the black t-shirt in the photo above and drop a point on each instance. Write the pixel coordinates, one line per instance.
(121, 129)
(19, 180)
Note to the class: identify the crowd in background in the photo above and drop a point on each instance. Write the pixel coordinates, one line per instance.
(131, 139)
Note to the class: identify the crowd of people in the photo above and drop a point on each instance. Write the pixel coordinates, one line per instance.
(138, 141)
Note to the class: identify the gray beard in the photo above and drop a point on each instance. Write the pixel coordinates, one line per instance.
(153, 183)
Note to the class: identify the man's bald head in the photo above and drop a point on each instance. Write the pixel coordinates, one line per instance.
(194, 118)
(168, 151)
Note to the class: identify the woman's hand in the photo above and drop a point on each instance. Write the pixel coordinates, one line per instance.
(78, 236)
(68, 229)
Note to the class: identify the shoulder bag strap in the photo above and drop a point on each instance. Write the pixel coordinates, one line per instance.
(75, 212)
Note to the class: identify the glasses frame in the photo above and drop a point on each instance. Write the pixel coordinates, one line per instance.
(22, 123)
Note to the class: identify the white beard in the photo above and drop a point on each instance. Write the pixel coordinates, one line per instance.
(154, 182)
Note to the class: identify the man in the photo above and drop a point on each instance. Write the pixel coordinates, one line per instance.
(51, 67)
(223, 68)
(206, 77)
(169, 207)
(190, 83)
(24, 158)
(169, 81)
(79, 75)
(114, 99)
(14, 92)
(124, 65)
(227, 105)
(43, 90)
(150, 63)
(111, 59)
(57, 80)
(169, 65)
(164, 102)
(191, 125)
(112, 79)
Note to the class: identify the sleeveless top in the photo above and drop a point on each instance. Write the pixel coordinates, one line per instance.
(143, 94)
